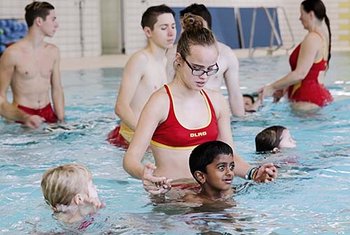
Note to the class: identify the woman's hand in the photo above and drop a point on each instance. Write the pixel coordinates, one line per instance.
(277, 95)
(154, 184)
(266, 91)
(265, 173)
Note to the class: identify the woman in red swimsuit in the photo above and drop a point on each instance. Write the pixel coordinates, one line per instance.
(308, 61)
(182, 115)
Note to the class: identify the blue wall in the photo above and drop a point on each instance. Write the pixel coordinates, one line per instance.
(227, 30)
(11, 30)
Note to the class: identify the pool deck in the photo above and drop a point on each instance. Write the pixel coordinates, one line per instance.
(105, 61)
(119, 61)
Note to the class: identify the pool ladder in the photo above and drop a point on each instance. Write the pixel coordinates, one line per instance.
(274, 31)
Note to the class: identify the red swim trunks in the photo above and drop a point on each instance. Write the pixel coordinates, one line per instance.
(114, 137)
(47, 112)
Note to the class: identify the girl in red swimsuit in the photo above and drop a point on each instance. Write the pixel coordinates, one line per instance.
(182, 115)
(308, 62)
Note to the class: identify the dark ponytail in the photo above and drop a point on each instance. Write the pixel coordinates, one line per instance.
(319, 10)
(326, 19)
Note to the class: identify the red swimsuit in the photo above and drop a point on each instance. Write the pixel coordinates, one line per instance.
(171, 134)
(309, 89)
(47, 113)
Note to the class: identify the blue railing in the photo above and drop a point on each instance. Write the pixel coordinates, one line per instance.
(246, 27)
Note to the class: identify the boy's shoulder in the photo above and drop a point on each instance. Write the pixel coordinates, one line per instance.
(192, 197)
(141, 57)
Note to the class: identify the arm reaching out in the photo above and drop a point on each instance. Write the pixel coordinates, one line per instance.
(154, 184)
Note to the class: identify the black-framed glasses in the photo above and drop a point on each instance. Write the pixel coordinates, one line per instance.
(200, 72)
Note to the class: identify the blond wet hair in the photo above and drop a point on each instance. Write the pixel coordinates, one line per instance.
(60, 184)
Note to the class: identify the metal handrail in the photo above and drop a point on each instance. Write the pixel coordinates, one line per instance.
(240, 27)
(274, 33)
(81, 27)
(289, 28)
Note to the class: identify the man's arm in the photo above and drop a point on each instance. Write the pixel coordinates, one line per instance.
(170, 70)
(132, 75)
(56, 87)
(7, 68)
(8, 110)
(11, 112)
(231, 77)
(225, 134)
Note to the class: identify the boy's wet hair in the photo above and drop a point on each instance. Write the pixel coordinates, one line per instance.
(150, 16)
(204, 154)
(37, 9)
(198, 10)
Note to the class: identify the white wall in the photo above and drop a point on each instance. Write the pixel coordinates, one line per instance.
(111, 29)
(135, 38)
(68, 36)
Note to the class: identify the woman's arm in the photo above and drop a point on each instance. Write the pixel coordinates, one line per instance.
(307, 55)
(56, 86)
(151, 116)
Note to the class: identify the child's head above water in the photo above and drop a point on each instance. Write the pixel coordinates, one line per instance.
(248, 101)
(250, 104)
(212, 165)
(274, 138)
(70, 192)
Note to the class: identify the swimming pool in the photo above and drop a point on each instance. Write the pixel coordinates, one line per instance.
(311, 195)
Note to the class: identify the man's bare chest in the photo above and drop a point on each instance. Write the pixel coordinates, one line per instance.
(30, 68)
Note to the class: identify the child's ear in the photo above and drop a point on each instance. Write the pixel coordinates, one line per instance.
(275, 150)
(38, 21)
(78, 199)
(148, 31)
(200, 177)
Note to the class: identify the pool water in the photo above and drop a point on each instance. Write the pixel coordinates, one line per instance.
(311, 195)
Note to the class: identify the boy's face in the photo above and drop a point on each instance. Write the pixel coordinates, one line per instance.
(220, 173)
(164, 31)
(49, 25)
(248, 104)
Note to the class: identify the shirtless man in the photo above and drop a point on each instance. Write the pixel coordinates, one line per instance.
(228, 64)
(11, 112)
(144, 73)
(183, 114)
(31, 67)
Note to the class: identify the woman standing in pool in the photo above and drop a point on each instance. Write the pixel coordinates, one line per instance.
(309, 61)
(182, 115)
